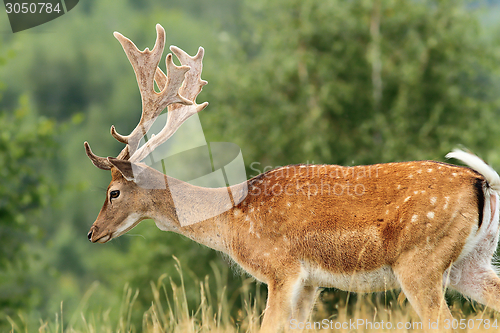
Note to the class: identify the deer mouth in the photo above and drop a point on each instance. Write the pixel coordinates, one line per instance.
(103, 239)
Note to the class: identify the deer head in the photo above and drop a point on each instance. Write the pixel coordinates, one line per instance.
(123, 208)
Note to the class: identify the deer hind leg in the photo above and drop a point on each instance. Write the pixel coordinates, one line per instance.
(477, 279)
(482, 285)
(474, 276)
(424, 290)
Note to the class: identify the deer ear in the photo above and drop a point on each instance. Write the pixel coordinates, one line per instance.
(124, 166)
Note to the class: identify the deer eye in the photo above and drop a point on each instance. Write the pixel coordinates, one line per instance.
(114, 194)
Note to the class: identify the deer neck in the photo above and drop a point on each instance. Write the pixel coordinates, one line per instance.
(199, 213)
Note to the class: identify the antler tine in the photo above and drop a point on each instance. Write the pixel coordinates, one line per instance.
(177, 114)
(100, 162)
(145, 64)
(193, 83)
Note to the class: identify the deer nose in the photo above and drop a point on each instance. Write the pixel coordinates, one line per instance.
(89, 235)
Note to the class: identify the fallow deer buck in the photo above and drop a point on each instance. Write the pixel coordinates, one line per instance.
(420, 226)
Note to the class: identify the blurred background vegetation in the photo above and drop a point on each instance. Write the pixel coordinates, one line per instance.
(290, 81)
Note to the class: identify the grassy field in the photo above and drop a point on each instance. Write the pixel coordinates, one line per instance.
(169, 312)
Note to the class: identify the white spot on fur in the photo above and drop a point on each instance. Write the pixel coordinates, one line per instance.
(433, 200)
(414, 218)
(415, 192)
(454, 174)
(289, 204)
(446, 200)
(419, 171)
(407, 198)
(430, 215)
(429, 170)
(410, 176)
(399, 186)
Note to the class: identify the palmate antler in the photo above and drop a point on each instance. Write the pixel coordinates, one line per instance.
(178, 92)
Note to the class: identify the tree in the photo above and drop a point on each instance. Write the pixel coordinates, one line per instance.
(26, 143)
(354, 82)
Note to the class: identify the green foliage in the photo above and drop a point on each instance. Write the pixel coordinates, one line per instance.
(361, 82)
(27, 148)
(26, 144)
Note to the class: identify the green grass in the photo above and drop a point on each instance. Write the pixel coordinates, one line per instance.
(169, 312)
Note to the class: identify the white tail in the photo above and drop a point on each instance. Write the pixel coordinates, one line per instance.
(418, 226)
(478, 165)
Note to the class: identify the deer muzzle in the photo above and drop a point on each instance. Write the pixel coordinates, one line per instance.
(95, 236)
